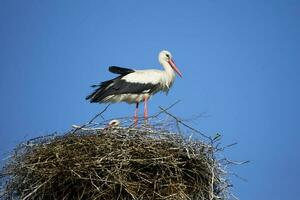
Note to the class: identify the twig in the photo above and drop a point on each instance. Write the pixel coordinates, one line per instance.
(36, 189)
(99, 114)
(184, 124)
(168, 108)
(91, 121)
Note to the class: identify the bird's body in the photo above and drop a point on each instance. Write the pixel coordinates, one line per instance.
(134, 86)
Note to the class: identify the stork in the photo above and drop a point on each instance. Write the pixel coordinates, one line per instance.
(135, 86)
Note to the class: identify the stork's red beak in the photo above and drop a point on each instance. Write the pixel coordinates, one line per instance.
(172, 63)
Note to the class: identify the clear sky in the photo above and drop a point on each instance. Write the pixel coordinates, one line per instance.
(240, 61)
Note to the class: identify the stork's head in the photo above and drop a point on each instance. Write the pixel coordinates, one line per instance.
(114, 123)
(166, 57)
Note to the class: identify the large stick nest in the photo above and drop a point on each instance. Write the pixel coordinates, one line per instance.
(115, 163)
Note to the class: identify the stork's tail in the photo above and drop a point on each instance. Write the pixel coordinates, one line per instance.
(99, 93)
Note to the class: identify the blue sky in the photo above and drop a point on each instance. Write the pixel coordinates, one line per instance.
(240, 61)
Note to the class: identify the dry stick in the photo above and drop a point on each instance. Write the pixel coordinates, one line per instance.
(235, 162)
(99, 114)
(212, 195)
(184, 124)
(195, 117)
(239, 177)
(36, 189)
(225, 147)
(91, 121)
(121, 118)
(160, 112)
(168, 108)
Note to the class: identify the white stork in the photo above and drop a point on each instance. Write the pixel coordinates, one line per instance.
(135, 86)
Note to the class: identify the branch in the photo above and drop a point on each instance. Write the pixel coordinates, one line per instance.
(168, 108)
(184, 124)
(99, 114)
(91, 121)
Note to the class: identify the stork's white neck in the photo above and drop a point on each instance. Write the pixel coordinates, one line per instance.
(169, 74)
(167, 67)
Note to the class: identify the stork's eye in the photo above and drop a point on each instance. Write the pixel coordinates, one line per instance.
(168, 55)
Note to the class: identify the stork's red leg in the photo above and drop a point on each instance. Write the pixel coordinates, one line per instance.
(136, 113)
(146, 107)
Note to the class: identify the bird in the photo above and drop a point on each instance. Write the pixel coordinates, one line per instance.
(134, 86)
(114, 123)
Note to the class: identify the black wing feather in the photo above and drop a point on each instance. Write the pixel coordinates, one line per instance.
(120, 70)
(124, 87)
(118, 86)
(100, 91)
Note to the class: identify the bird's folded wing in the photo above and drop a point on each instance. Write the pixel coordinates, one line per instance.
(120, 70)
(124, 87)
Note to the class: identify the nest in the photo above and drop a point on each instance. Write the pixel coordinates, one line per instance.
(114, 163)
